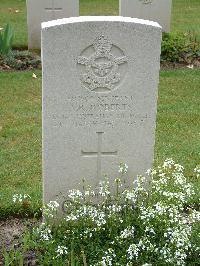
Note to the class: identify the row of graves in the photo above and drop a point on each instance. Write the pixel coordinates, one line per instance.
(100, 84)
(46, 10)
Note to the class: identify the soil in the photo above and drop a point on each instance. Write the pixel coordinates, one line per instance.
(20, 60)
(11, 231)
(173, 66)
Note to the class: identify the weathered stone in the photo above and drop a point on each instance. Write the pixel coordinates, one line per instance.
(100, 79)
(155, 10)
(39, 11)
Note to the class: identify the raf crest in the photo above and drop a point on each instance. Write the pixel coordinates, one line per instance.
(102, 65)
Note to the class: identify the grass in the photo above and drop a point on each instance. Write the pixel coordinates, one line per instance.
(185, 15)
(99, 8)
(178, 128)
(14, 12)
(177, 134)
(20, 139)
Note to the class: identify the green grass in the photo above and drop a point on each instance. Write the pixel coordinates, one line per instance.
(99, 7)
(20, 138)
(17, 20)
(177, 134)
(185, 15)
(178, 120)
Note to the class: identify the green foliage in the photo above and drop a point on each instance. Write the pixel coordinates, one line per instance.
(6, 40)
(113, 225)
(14, 257)
(185, 15)
(20, 60)
(180, 48)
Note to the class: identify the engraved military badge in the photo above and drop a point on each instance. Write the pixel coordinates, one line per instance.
(102, 65)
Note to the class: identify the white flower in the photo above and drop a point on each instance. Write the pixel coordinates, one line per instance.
(50, 209)
(75, 195)
(20, 197)
(104, 188)
(34, 76)
(168, 163)
(107, 259)
(123, 168)
(148, 172)
(61, 250)
(133, 252)
(44, 232)
(53, 205)
(127, 233)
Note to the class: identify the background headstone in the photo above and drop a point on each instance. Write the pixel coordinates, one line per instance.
(155, 10)
(100, 79)
(39, 11)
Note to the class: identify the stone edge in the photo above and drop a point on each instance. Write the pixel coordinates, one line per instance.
(53, 23)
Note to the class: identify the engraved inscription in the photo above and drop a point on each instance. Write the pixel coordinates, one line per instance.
(146, 1)
(53, 9)
(99, 153)
(102, 66)
(102, 110)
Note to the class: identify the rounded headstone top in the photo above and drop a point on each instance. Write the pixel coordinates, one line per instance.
(83, 19)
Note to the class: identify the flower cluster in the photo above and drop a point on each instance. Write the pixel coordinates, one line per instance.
(120, 226)
(19, 198)
(44, 232)
(107, 258)
(50, 209)
(123, 168)
(61, 250)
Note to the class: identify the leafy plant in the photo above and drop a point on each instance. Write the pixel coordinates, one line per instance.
(133, 226)
(20, 60)
(180, 48)
(6, 40)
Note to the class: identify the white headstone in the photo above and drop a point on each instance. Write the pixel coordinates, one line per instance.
(100, 79)
(155, 10)
(39, 11)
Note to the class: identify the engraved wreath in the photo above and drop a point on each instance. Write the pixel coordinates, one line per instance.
(102, 65)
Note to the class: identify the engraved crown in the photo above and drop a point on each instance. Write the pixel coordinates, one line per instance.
(102, 45)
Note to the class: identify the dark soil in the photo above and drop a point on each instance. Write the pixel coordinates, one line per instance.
(174, 65)
(18, 60)
(11, 231)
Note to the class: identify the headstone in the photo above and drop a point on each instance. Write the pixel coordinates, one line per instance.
(100, 79)
(39, 11)
(155, 10)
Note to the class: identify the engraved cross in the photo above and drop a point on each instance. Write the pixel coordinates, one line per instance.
(99, 153)
(53, 9)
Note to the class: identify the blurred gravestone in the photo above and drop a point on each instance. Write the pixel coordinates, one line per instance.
(39, 11)
(155, 10)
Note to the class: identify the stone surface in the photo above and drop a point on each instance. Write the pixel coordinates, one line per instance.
(39, 11)
(100, 79)
(155, 10)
